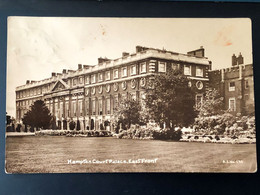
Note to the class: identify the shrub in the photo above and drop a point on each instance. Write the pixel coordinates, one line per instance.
(72, 125)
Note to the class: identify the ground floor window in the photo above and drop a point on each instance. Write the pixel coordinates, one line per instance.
(199, 100)
(232, 104)
(108, 105)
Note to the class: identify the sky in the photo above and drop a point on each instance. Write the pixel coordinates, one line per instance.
(37, 46)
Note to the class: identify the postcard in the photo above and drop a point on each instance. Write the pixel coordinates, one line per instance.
(91, 95)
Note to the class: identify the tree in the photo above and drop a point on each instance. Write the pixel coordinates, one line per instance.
(170, 100)
(8, 119)
(78, 125)
(212, 104)
(128, 112)
(38, 116)
(72, 125)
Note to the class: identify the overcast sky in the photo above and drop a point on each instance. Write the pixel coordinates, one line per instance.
(38, 46)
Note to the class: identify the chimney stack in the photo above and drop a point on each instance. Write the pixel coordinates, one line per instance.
(234, 60)
(101, 60)
(79, 66)
(237, 60)
(124, 54)
(240, 59)
(28, 82)
(64, 71)
(53, 74)
(140, 48)
(198, 52)
(86, 66)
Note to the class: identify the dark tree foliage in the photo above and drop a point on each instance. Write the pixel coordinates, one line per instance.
(78, 125)
(170, 100)
(72, 125)
(212, 104)
(128, 112)
(38, 116)
(8, 119)
(53, 123)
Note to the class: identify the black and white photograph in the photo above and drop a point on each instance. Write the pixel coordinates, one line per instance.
(93, 94)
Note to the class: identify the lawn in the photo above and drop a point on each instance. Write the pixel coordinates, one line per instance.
(50, 154)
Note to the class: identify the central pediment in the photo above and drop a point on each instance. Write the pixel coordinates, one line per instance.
(60, 85)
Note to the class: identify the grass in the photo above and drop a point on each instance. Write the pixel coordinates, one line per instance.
(50, 154)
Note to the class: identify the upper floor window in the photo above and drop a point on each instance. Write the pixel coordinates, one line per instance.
(74, 108)
(133, 70)
(143, 67)
(107, 75)
(87, 79)
(116, 74)
(232, 104)
(199, 71)
(232, 86)
(80, 107)
(93, 78)
(162, 67)
(124, 71)
(187, 69)
(80, 80)
(175, 66)
(246, 84)
(100, 77)
(108, 105)
(100, 106)
(75, 81)
(93, 107)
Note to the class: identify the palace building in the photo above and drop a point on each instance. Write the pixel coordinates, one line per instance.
(90, 93)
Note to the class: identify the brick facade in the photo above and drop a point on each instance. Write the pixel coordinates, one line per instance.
(90, 93)
(236, 85)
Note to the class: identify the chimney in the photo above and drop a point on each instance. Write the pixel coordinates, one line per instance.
(198, 52)
(234, 60)
(86, 66)
(124, 54)
(28, 82)
(79, 66)
(138, 48)
(64, 71)
(240, 59)
(101, 60)
(53, 74)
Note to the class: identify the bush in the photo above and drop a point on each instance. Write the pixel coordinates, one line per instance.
(222, 124)
(72, 125)
(149, 133)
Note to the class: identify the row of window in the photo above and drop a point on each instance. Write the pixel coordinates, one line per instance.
(187, 70)
(231, 102)
(97, 106)
(232, 85)
(32, 92)
(124, 73)
(143, 69)
(26, 103)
